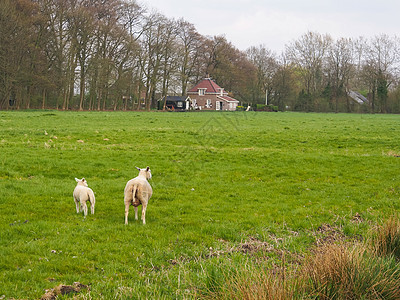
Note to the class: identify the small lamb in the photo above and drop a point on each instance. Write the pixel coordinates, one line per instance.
(138, 191)
(82, 194)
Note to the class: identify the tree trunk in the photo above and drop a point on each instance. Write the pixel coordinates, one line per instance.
(44, 99)
(82, 88)
(100, 96)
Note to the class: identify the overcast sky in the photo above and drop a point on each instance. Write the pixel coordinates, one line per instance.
(275, 23)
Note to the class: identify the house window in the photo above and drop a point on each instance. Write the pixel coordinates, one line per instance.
(218, 105)
(202, 92)
(179, 104)
(208, 104)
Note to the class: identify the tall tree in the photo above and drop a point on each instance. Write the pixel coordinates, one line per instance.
(18, 53)
(267, 66)
(284, 84)
(55, 14)
(229, 66)
(155, 54)
(81, 28)
(339, 67)
(189, 43)
(380, 66)
(308, 53)
(169, 59)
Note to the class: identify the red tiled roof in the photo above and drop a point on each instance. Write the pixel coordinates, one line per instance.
(227, 98)
(208, 84)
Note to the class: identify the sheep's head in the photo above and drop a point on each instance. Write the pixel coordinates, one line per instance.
(145, 172)
(81, 181)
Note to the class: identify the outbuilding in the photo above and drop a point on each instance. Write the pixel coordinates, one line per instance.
(176, 103)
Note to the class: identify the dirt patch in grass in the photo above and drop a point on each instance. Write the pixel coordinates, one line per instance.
(393, 153)
(250, 246)
(329, 234)
(64, 290)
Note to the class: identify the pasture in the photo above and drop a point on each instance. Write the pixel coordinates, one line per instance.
(228, 189)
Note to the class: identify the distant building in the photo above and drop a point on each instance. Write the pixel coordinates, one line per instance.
(207, 95)
(357, 97)
(176, 103)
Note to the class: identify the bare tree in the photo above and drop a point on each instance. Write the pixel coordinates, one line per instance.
(11, 29)
(229, 66)
(169, 58)
(339, 67)
(190, 48)
(284, 84)
(81, 28)
(155, 54)
(379, 69)
(308, 53)
(21, 61)
(266, 64)
(114, 56)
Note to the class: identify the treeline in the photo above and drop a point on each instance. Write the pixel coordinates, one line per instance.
(117, 55)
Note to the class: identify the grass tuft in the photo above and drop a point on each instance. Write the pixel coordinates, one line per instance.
(250, 282)
(351, 272)
(385, 239)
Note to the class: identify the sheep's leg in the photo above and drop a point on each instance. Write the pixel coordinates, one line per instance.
(92, 207)
(144, 206)
(77, 205)
(136, 212)
(127, 203)
(84, 207)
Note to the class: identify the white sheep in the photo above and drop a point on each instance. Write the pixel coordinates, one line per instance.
(138, 191)
(82, 194)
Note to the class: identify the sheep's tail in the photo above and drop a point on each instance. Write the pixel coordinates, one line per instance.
(134, 189)
(135, 201)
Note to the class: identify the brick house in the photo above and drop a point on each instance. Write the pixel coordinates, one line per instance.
(207, 95)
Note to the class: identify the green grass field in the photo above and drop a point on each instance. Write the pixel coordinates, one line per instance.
(220, 181)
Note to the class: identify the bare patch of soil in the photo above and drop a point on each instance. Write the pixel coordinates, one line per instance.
(64, 290)
(328, 234)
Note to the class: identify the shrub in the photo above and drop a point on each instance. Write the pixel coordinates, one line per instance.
(263, 107)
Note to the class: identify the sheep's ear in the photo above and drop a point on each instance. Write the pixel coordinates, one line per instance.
(83, 180)
(137, 168)
(147, 169)
(76, 179)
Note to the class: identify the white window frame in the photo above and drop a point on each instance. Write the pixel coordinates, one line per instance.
(202, 92)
